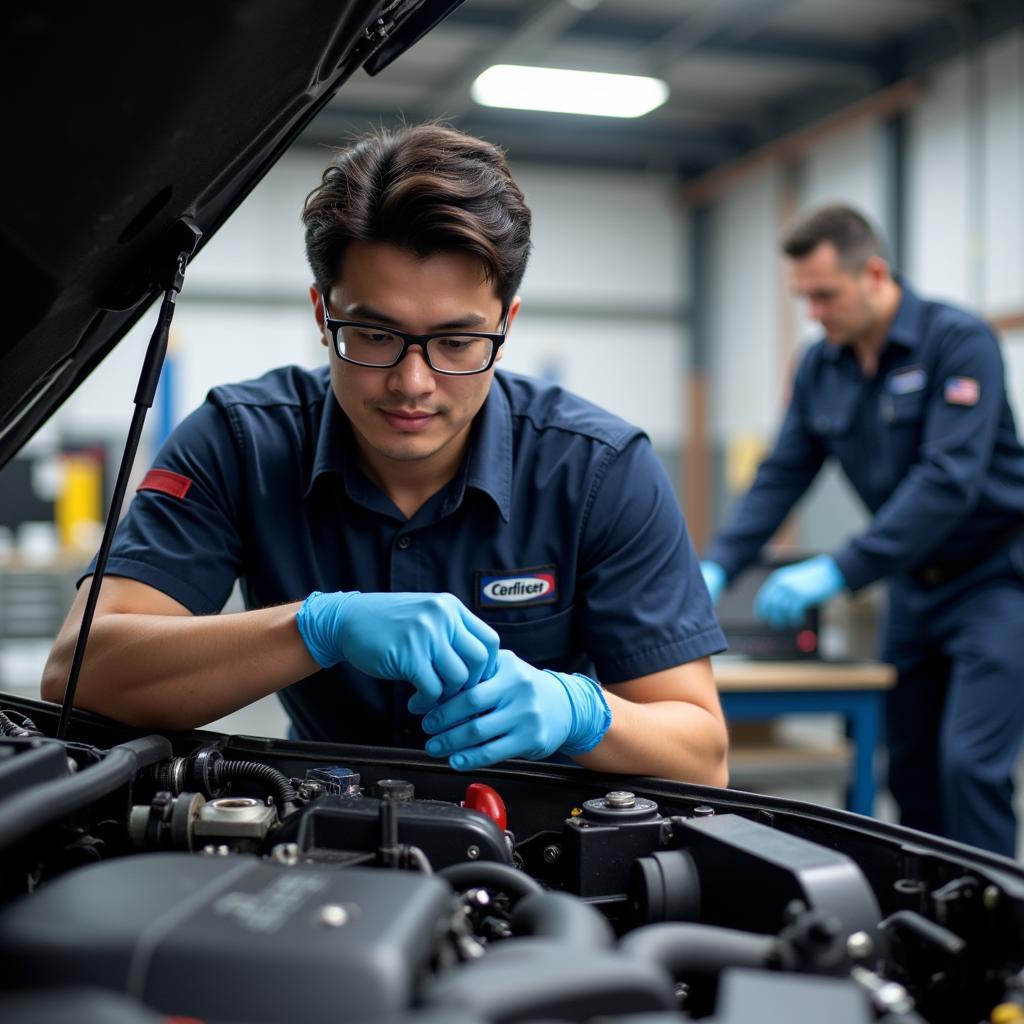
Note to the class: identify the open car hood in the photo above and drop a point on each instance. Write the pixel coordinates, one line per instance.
(123, 120)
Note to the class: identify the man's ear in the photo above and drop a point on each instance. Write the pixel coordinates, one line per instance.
(877, 269)
(513, 311)
(318, 314)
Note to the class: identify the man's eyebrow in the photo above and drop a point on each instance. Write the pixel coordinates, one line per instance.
(359, 311)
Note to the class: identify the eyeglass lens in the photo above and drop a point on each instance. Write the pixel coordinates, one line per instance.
(374, 346)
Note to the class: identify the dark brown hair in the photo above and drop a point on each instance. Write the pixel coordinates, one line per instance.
(426, 188)
(848, 230)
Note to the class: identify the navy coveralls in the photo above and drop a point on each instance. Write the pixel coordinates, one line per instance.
(560, 529)
(929, 444)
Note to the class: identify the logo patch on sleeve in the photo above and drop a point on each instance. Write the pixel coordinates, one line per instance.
(907, 381)
(514, 588)
(962, 391)
(166, 482)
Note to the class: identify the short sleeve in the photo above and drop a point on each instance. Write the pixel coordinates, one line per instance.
(187, 546)
(643, 605)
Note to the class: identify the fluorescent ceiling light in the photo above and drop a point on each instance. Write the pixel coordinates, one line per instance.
(568, 92)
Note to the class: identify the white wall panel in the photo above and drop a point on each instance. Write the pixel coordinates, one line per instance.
(604, 237)
(1013, 356)
(746, 380)
(848, 168)
(214, 345)
(635, 370)
(261, 246)
(939, 239)
(1003, 169)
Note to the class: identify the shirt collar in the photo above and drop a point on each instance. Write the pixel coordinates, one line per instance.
(488, 463)
(487, 467)
(332, 443)
(905, 328)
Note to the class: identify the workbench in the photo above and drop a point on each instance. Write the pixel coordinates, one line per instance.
(754, 690)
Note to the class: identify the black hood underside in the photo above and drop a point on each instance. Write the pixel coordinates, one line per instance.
(124, 120)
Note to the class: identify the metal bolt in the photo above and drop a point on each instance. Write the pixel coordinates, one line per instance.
(332, 915)
(481, 897)
(990, 897)
(473, 852)
(552, 853)
(620, 798)
(895, 997)
(859, 946)
(286, 853)
(703, 811)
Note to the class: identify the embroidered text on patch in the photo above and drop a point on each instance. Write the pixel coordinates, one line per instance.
(904, 382)
(962, 391)
(516, 587)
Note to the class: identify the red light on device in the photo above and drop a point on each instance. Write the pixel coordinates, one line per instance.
(485, 799)
(807, 641)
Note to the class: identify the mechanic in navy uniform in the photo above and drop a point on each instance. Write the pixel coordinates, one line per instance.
(423, 545)
(908, 394)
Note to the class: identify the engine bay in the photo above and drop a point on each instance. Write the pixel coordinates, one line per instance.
(228, 878)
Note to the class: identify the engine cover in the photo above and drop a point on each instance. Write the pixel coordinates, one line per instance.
(230, 938)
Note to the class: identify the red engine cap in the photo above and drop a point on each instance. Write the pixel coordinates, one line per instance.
(807, 641)
(485, 799)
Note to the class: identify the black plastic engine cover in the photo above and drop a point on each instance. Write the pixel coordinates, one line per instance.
(444, 831)
(230, 938)
(749, 873)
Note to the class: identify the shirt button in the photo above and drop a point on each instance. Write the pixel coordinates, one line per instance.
(404, 542)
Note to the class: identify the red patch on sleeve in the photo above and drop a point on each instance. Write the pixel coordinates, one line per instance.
(166, 482)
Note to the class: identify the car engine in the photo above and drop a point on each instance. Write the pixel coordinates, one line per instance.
(237, 879)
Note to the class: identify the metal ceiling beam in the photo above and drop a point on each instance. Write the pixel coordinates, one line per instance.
(598, 142)
(546, 22)
(704, 24)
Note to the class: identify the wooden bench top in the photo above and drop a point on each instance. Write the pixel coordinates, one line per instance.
(741, 674)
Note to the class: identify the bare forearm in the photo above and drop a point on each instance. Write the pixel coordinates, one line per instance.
(180, 672)
(669, 739)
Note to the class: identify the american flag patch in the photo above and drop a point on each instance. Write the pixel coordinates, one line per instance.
(962, 391)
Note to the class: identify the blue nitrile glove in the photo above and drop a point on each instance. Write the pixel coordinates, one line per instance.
(786, 595)
(431, 640)
(714, 579)
(521, 711)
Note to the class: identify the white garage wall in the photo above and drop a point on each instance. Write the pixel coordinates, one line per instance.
(1002, 189)
(940, 244)
(746, 378)
(603, 300)
(849, 168)
(964, 223)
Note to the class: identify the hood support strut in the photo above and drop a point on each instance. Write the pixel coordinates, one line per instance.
(186, 239)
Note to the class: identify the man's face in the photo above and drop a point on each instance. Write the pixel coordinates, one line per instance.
(409, 413)
(846, 303)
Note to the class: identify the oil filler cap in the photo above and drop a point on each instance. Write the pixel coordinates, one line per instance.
(619, 806)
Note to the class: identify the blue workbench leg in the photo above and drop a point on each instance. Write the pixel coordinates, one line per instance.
(864, 722)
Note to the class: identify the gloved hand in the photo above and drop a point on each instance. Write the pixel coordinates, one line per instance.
(431, 640)
(521, 711)
(714, 579)
(787, 594)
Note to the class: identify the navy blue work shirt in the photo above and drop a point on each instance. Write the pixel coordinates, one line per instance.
(560, 529)
(929, 443)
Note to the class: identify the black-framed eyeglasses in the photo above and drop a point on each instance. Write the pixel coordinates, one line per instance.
(457, 353)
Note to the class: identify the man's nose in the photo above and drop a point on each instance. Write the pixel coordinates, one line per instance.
(413, 375)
